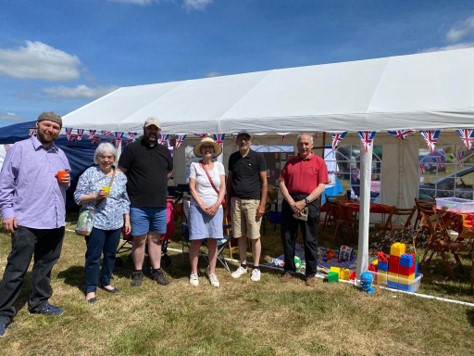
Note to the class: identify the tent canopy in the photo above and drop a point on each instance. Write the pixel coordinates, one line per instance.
(421, 91)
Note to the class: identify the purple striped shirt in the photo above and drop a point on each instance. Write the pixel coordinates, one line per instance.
(29, 189)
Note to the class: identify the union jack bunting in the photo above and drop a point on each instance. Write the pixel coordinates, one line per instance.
(200, 135)
(92, 134)
(401, 134)
(118, 138)
(460, 157)
(467, 136)
(430, 137)
(131, 136)
(179, 140)
(219, 138)
(105, 133)
(422, 168)
(367, 138)
(337, 139)
(80, 133)
(163, 139)
(95, 139)
(68, 133)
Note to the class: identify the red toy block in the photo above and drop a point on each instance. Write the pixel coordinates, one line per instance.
(394, 264)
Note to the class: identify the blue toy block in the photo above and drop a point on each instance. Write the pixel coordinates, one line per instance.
(406, 260)
(383, 266)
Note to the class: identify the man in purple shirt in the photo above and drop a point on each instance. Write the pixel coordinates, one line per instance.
(33, 206)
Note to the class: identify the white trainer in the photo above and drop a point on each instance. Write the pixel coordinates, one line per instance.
(193, 279)
(255, 277)
(214, 281)
(239, 272)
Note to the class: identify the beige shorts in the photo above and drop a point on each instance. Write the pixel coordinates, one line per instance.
(244, 221)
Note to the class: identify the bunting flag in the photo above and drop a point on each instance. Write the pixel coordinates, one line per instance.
(460, 157)
(92, 134)
(68, 133)
(105, 133)
(132, 135)
(200, 135)
(401, 134)
(163, 139)
(430, 137)
(96, 140)
(422, 168)
(337, 138)
(219, 138)
(467, 137)
(80, 133)
(367, 138)
(118, 138)
(32, 132)
(179, 140)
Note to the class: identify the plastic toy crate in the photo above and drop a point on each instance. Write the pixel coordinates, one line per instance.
(390, 281)
(457, 205)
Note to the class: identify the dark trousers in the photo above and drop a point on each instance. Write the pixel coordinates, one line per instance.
(46, 246)
(98, 242)
(289, 232)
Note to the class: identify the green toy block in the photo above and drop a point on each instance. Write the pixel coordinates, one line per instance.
(333, 277)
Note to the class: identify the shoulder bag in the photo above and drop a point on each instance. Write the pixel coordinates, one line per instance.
(212, 184)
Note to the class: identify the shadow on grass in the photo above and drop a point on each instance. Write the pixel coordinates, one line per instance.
(470, 316)
(73, 276)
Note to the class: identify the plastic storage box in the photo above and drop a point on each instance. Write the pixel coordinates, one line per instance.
(384, 279)
(457, 205)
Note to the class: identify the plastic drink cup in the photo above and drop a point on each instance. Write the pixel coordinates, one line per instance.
(61, 175)
(106, 189)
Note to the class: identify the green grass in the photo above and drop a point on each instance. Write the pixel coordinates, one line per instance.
(239, 318)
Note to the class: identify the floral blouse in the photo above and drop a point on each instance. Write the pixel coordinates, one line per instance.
(109, 214)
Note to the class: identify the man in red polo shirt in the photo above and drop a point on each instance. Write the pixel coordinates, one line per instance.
(302, 181)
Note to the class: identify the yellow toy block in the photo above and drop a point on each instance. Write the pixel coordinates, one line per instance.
(398, 249)
(407, 280)
(335, 269)
(345, 274)
(381, 278)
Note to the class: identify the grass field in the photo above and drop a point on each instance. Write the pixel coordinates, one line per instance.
(239, 318)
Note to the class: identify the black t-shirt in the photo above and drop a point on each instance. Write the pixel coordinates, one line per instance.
(246, 170)
(147, 173)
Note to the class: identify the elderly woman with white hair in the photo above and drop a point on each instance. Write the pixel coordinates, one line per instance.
(103, 188)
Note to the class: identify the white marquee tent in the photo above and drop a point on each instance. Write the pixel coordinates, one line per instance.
(422, 91)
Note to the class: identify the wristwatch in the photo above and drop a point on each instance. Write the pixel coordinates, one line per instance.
(307, 201)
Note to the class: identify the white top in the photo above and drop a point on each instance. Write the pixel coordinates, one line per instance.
(203, 186)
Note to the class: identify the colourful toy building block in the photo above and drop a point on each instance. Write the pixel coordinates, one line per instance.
(398, 249)
(333, 277)
(345, 274)
(336, 270)
(407, 260)
(405, 272)
(406, 280)
(382, 278)
(372, 268)
(383, 266)
(382, 257)
(394, 264)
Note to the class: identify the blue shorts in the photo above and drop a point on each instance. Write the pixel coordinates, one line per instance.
(144, 220)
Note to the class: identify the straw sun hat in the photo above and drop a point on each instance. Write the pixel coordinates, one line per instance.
(207, 141)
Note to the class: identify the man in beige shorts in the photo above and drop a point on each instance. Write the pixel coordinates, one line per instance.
(247, 192)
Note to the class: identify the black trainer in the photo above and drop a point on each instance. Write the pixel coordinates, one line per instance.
(137, 279)
(158, 276)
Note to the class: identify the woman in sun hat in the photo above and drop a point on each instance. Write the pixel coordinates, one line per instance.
(207, 187)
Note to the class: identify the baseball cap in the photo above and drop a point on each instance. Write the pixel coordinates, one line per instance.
(152, 121)
(243, 134)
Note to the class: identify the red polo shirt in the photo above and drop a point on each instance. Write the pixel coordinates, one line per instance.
(303, 176)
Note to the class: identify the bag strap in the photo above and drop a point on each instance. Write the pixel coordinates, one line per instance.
(209, 177)
(110, 184)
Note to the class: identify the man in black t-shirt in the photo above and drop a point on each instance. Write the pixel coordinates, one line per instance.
(148, 166)
(247, 193)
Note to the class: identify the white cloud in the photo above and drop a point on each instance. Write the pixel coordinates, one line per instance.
(187, 4)
(39, 61)
(80, 91)
(446, 48)
(461, 30)
(196, 4)
(134, 2)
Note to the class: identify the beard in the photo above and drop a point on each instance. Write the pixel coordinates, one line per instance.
(45, 138)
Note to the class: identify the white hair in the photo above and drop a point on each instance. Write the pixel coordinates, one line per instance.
(104, 147)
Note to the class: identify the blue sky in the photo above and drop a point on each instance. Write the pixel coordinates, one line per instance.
(58, 55)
